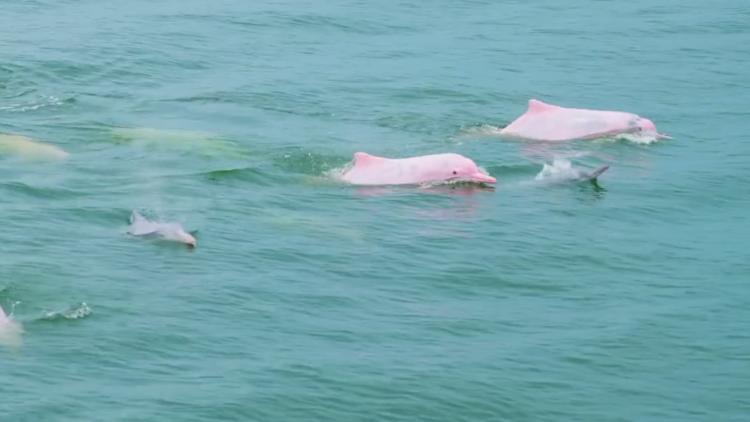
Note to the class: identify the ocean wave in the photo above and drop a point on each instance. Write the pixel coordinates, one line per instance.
(42, 102)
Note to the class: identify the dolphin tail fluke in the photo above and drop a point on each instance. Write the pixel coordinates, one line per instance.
(598, 172)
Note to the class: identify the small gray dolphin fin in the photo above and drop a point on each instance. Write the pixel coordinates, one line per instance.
(140, 225)
(596, 173)
(135, 216)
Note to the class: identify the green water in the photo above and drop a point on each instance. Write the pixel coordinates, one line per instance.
(307, 299)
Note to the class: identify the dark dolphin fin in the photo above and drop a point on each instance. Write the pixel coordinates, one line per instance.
(135, 216)
(596, 173)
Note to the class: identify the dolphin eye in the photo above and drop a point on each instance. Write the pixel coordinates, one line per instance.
(455, 172)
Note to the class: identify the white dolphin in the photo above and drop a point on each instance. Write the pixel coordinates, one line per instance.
(141, 226)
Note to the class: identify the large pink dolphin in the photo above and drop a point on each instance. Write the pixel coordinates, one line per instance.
(547, 122)
(370, 170)
(10, 330)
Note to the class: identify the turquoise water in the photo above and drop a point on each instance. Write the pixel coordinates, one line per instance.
(306, 299)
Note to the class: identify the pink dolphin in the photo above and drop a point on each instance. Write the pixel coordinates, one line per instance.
(370, 170)
(547, 122)
(10, 330)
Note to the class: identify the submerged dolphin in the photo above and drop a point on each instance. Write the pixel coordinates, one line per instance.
(194, 142)
(141, 226)
(29, 148)
(10, 330)
(370, 170)
(547, 122)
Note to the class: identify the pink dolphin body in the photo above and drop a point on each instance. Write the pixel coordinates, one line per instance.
(369, 170)
(547, 122)
(10, 330)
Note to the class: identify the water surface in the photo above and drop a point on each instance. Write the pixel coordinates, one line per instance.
(311, 300)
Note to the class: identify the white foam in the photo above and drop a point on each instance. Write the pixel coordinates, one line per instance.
(76, 312)
(338, 173)
(643, 138)
(483, 130)
(560, 169)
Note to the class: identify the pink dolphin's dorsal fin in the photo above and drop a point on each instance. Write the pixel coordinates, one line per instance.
(536, 106)
(363, 159)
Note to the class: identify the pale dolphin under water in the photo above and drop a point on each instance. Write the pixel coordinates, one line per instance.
(141, 226)
(29, 148)
(194, 142)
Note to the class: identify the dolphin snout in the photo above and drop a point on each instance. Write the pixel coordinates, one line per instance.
(481, 177)
(186, 238)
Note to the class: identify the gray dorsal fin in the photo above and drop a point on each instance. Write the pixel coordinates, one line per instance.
(598, 172)
(135, 216)
(140, 225)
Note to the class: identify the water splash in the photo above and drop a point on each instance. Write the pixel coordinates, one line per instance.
(338, 173)
(562, 170)
(643, 138)
(311, 163)
(81, 310)
(10, 329)
(481, 130)
(13, 308)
